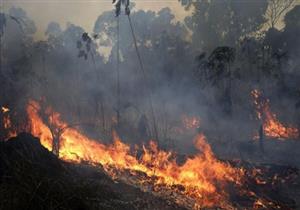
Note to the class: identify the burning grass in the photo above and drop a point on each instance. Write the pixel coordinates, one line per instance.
(272, 127)
(202, 177)
(201, 181)
(31, 177)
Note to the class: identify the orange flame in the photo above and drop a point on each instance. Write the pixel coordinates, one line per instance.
(272, 127)
(203, 177)
(7, 124)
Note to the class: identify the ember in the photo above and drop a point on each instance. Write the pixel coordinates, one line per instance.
(187, 124)
(190, 122)
(4, 109)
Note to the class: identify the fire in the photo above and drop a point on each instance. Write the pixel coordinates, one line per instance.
(7, 124)
(272, 127)
(6, 118)
(4, 109)
(203, 178)
(189, 123)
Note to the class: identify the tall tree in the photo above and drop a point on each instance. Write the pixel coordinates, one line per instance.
(219, 23)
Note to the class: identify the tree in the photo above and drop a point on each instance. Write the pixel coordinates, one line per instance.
(223, 23)
(166, 54)
(276, 8)
(216, 70)
(291, 33)
(292, 18)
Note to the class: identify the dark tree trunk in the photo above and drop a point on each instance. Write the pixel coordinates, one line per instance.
(261, 138)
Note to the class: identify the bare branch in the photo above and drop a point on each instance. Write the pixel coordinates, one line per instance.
(276, 9)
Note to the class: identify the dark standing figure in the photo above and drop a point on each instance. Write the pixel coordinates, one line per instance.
(261, 138)
(118, 4)
(143, 128)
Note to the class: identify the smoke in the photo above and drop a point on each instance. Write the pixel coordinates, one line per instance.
(78, 78)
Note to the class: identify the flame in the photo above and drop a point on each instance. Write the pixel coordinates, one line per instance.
(6, 118)
(7, 124)
(190, 122)
(187, 124)
(4, 109)
(203, 178)
(272, 127)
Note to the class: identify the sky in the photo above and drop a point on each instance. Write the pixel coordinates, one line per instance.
(82, 12)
